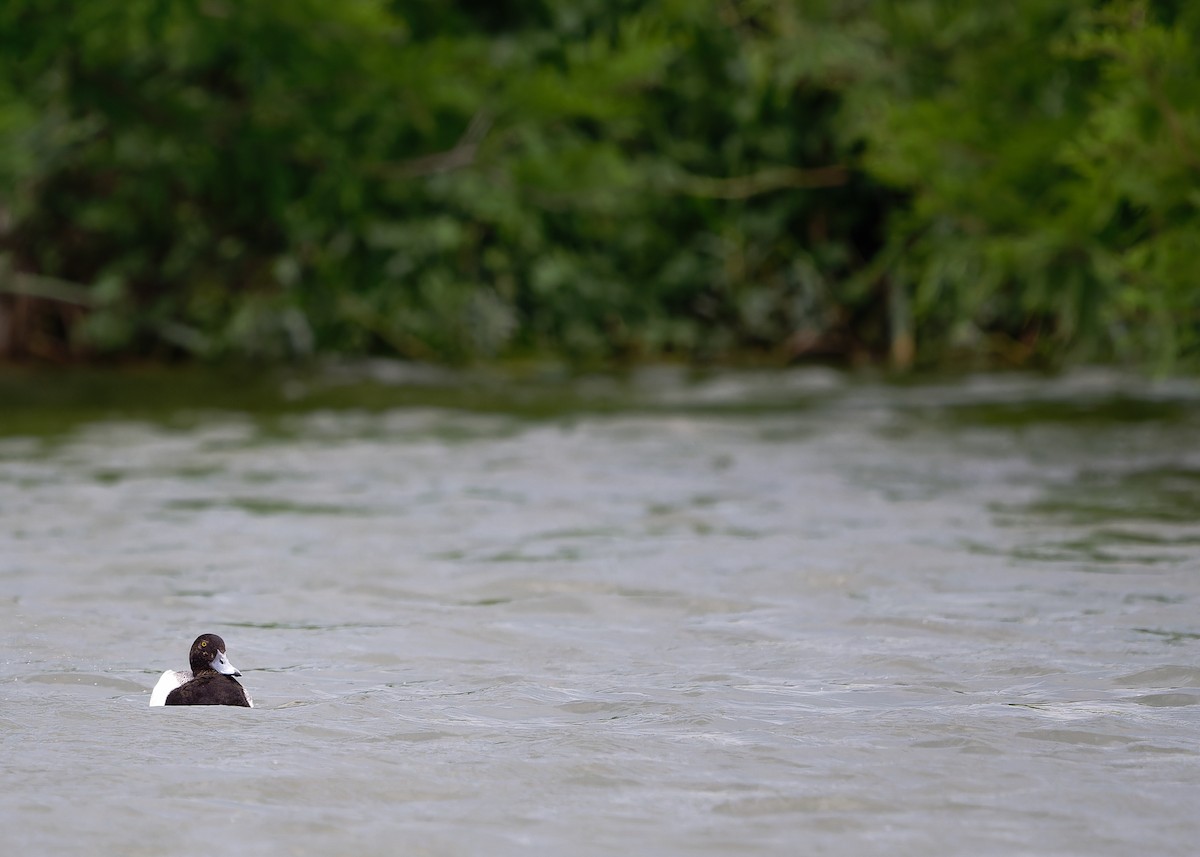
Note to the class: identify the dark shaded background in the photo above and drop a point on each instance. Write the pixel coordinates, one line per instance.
(923, 183)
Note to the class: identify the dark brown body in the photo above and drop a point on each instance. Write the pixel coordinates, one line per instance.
(209, 688)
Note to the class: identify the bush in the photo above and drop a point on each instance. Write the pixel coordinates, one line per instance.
(926, 180)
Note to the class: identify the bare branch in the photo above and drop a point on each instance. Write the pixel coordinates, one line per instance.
(47, 288)
(461, 155)
(764, 181)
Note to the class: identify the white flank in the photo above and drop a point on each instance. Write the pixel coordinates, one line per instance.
(167, 682)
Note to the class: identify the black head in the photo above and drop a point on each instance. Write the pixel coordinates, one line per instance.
(208, 654)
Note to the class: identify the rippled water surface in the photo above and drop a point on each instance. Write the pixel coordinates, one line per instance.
(747, 614)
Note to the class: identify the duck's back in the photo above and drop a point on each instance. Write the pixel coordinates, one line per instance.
(209, 689)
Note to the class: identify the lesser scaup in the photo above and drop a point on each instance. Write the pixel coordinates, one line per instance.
(211, 682)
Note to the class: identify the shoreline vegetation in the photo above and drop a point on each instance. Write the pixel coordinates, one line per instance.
(919, 185)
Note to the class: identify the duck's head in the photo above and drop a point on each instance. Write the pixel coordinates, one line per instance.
(208, 653)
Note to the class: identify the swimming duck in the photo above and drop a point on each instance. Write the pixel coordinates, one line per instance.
(212, 680)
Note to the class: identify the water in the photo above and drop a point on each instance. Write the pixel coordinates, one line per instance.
(756, 614)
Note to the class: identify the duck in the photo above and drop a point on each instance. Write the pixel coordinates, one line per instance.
(213, 680)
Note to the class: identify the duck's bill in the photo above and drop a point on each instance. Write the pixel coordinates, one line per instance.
(221, 664)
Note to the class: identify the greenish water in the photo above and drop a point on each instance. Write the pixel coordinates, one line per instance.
(729, 613)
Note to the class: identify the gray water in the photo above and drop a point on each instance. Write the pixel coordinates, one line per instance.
(754, 614)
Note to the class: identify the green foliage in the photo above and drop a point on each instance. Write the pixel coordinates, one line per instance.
(1137, 162)
(600, 180)
(1051, 153)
